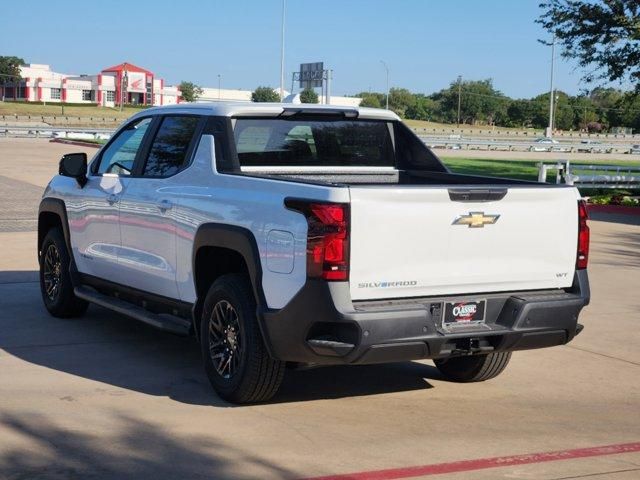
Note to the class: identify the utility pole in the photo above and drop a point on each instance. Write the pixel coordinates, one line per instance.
(284, 6)
(219, 85)
(459, 97)
(387, 69)
(551, 89)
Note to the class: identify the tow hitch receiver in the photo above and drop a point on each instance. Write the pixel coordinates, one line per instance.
(470, 346)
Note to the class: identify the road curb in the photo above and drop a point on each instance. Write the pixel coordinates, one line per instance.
(79, 143)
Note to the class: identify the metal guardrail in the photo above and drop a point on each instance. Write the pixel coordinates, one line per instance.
(523, 134)
(477, 144)
(592, 176)
(55, 132)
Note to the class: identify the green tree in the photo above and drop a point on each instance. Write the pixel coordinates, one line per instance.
(480, 102)
(584, 111)
(520, 113)
(602, 35)
(265, 94)
(423, 108)
(400, 99)
(189, 91)
(627, 112)
(606, 101)
(308, 95)
(563, 112)
(369, 99)
(10, 69)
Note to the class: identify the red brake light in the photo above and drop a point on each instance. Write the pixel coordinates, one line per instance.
(583, 236)
(327, 238)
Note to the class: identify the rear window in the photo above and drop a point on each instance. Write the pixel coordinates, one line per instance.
(303, 142)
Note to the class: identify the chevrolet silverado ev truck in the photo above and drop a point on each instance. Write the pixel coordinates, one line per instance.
(285, 235)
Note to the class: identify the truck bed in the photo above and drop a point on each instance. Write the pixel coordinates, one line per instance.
(389, 177)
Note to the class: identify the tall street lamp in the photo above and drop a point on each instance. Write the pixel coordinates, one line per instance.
(551, 89)
(284, 7)
(459, 97)
(384, 64)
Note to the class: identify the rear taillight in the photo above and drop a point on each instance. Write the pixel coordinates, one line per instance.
(327, 238)
(583, 236)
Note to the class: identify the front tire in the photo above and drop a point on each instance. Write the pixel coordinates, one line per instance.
(476, 368)
(55, 279)
(234, 354)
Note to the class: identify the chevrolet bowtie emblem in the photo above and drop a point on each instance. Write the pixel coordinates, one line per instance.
(476, 220)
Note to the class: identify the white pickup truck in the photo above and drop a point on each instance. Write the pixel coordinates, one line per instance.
(296, 235)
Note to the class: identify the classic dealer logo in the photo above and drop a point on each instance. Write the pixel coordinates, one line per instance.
(463, 311)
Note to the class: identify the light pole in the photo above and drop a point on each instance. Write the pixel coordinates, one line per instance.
(555, 108)
(284, 7)
(387, 69)
(551, 89)
(219, 85)
(459, 97)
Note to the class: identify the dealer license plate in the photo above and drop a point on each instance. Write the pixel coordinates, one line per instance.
(464, 314)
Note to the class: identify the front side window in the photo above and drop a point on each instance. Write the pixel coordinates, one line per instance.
(119, 156)
(110, 95)
(56, 93)
(87, 95)
(302, 142)
(168, 153)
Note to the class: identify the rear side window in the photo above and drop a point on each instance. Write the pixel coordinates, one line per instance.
(168, 153)
(303, 142)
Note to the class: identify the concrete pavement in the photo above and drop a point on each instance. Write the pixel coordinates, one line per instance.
(105, 397)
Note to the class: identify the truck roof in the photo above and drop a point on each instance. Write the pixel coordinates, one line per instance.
(245, 109)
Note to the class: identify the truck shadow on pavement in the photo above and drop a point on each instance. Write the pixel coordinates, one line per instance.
(122, 353)
(133, 449)
(621, 249)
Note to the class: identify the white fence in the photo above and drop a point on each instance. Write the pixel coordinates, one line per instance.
(592, 176)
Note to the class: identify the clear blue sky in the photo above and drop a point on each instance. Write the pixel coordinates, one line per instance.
(426, 43)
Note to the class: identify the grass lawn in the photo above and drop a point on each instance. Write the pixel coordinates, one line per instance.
(517, 169)
(453, 126)
(50, 110)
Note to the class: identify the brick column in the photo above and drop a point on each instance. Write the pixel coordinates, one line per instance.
(99, 93)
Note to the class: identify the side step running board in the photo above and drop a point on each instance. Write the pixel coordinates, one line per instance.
(163, 321)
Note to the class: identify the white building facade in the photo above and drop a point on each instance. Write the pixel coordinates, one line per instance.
(124, 83)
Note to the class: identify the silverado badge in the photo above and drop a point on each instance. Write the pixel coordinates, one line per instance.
(476, 220)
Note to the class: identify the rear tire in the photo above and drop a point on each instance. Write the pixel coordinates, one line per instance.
(55, 279)
(233, 350)
(476, 368)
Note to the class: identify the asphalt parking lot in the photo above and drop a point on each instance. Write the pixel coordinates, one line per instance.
(105, 397)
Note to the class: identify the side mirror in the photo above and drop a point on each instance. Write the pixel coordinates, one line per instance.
(74, 165)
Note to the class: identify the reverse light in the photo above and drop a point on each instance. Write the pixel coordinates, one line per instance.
(327, 238)
(583, 236)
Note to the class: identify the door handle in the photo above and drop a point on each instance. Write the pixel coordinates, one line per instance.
(164, 204)
(112, 198)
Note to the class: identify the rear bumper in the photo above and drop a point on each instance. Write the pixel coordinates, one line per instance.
(322, 326)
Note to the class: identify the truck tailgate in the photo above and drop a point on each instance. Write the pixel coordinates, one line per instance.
(417, 241)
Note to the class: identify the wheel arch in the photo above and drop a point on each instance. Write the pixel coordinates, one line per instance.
(53, 213)
(219, 249)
